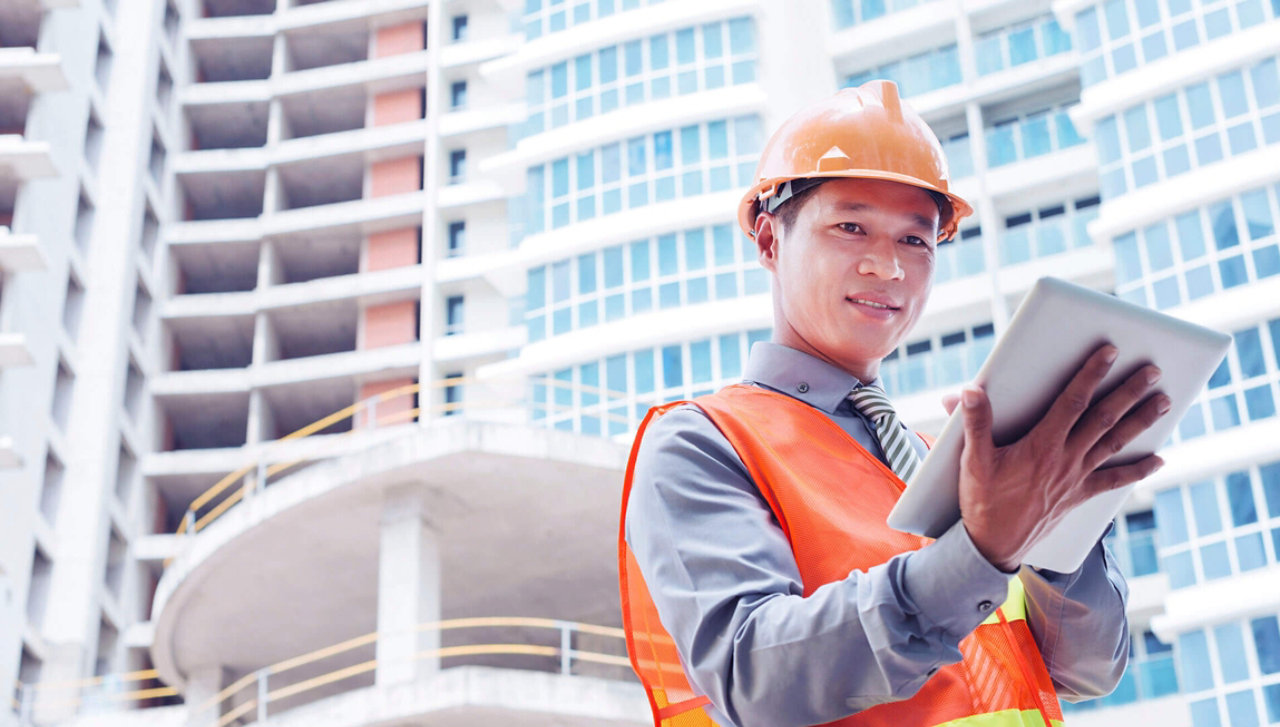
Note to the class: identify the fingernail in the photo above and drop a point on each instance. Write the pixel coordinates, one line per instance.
(970, 398)
(1110, 355)
(1164, 405)
(1153, 375)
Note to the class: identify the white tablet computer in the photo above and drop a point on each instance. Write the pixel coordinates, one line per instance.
(1054, 330)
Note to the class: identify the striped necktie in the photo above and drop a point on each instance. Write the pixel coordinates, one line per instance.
(894, 439)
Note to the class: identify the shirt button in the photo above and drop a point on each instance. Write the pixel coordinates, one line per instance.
(933, 670)
(985, 606)
(803, 387)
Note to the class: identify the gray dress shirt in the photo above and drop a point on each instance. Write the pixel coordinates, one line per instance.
(728, 590)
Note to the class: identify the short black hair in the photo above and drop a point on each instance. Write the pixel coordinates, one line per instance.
(788, 211)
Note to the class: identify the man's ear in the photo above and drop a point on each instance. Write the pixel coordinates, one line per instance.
(767, 224)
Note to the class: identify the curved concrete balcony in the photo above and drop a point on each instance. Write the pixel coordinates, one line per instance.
(314, 15)
(370, 287)
(375, 143)
(894, 35)
(39, 72)
(470, 345)
(485, 118)
(479, 50)
(622, 124)
(431, 524)
(469, 192)
(1064, 172)
(618, 28)
(365, 215)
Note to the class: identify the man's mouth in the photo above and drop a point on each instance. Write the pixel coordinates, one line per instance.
(872, 303)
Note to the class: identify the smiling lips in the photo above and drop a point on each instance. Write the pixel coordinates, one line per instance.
(873, 303)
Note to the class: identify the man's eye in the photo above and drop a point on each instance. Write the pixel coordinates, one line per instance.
(851, 227)
(913, 240)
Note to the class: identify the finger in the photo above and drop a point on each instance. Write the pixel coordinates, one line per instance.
(1113, 478)
(1103, 416)
(1127, 430)
(950, 402)
(976, 412)
(1074, 400)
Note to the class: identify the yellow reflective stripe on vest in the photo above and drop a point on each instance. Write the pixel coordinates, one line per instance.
(1003, 718)
(1014, 606)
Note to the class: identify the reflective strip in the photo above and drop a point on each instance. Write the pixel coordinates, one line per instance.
(1003, 718)
(1014, 606)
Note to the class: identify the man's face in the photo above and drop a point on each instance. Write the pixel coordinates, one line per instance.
(853, 273)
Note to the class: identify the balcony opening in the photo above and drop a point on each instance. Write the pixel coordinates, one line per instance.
(159, 156)
(72, 306)
(38, 592)
(228, 126)
(51, 488)
(328, 46)
(324, 112)
(220, 268)
(318, 255)
(223, 195)
(314, 330)
(108, 637)
(117, 558)
(63, 387)
(164, 86)
(15, 102)
(134, 383)
(171, 22)
(126, 471)
(200, 344)
(84, 222)
(102, 67)
(150, 231)
(20, 24)
(93, 140)
(322, 181)
(141, 311)
(227, 8)
(293, 407)
(206, 421)
(232, 59)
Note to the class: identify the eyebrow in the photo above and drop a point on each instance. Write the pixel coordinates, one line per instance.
(920, 220)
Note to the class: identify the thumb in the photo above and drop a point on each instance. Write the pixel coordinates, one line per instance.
(976, 411)
(950, 402)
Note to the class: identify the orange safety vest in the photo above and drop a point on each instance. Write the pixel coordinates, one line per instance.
(804, 465)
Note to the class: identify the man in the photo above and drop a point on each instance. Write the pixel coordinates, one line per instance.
(760, 584)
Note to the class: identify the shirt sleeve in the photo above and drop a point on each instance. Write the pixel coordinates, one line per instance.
(1079, 621)
(727, 589)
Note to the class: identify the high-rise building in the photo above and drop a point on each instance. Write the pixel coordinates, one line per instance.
(324, 325)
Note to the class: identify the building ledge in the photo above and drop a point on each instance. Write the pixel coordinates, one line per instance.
(9, 457)
(20, 253)
(28, 159)
(14, 351)
(41, 72)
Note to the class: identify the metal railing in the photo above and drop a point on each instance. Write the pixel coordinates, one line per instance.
(98, 692)
(223, 494)
(250, 698)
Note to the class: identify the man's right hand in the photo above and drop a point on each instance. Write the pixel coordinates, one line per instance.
(1011, 496)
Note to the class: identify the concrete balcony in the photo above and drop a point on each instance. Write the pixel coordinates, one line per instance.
(9, 457)
(14, 351)
(477, 344)
(19, 253)
(39, 72)
(317, 15)
(345, 364)
(460, 122)
(367, 215)
(495, 546)
(367, 287)
(26, 160)
(469, 192)
(1065, 172)
(375, 143)
(895, 35)
(478, 50)
(379, 75)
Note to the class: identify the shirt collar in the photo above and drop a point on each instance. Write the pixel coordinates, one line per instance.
(799, 375)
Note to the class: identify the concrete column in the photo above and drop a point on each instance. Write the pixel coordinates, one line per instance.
(408, 589)
(986, 213)
(202, 686)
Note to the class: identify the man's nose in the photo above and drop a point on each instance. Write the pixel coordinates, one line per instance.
(881, 260)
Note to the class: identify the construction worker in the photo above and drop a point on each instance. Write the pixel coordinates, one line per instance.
(760, 584)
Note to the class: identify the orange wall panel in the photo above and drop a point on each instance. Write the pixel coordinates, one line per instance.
(396, 176)
(390, 324)
(398, 39)
(393, 249)
(397, 107)
(392, 411)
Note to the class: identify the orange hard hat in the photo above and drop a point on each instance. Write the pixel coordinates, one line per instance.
(866, 132)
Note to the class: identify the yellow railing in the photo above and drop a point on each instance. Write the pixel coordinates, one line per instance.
(249, 697)
(223, 494)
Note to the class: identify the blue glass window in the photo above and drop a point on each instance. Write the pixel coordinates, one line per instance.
(1200, 104)
(668, 263)
(1087, 30)
(1168, 119)
(741, 36)
(1231, 656)
(1248, 345)
(1241, 709)
(1194, 668)
(1240, 495)
(1108, 139)
(1135, 126)
(1171, 518)
(1257, 214)
(1223, 220)
(1117, 19)
(1266, 642)
(672, 363)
